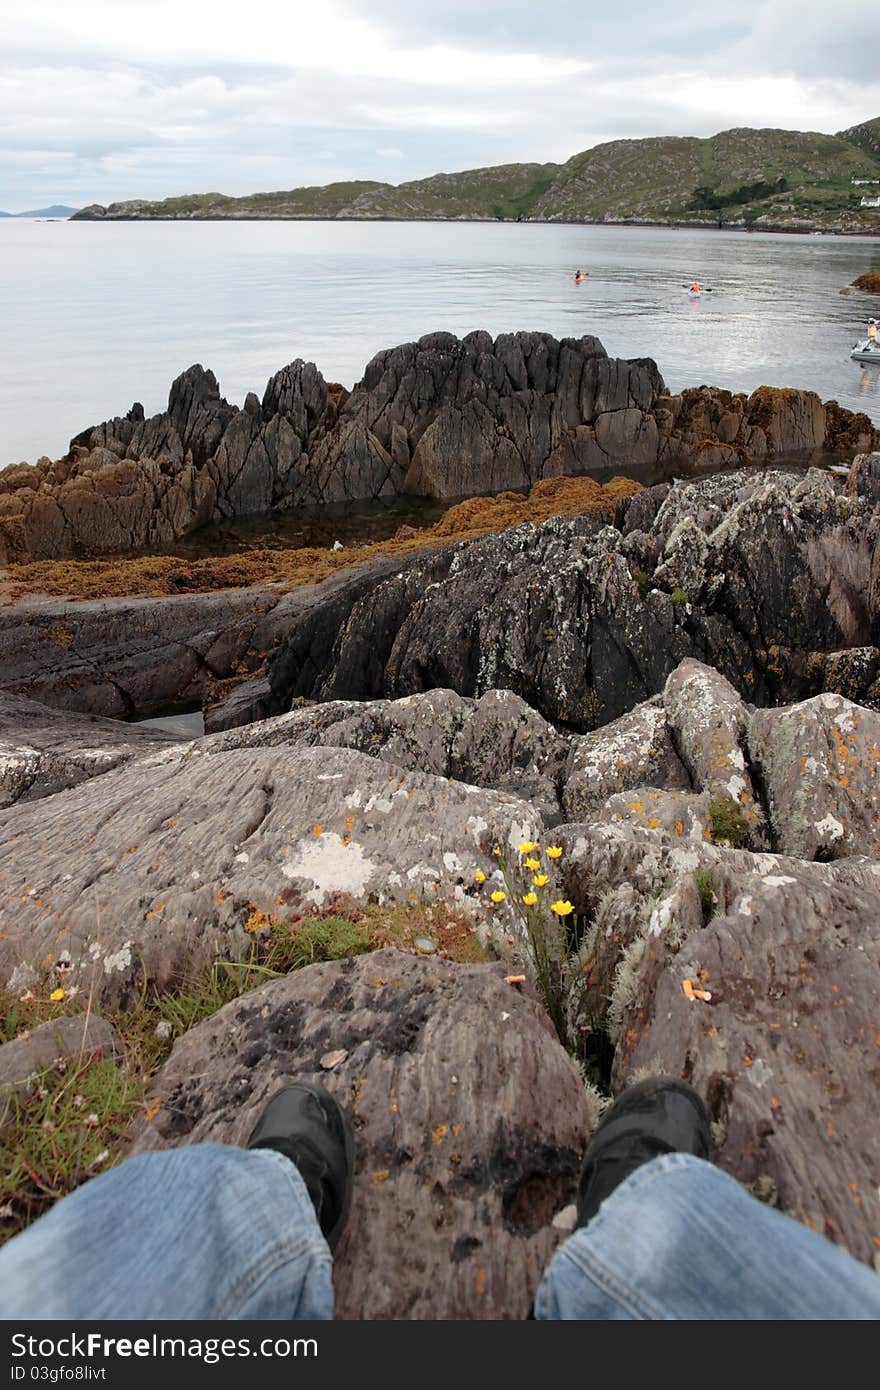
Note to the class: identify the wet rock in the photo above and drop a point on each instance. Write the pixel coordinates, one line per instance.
(477, 1159)
(74, 1036)
(784, 1050)
(820, 767)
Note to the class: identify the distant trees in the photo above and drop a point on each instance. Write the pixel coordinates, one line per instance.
(705, 199)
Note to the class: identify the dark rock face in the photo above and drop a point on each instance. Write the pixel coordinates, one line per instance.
(460, 1165)
(124, 657)
(772, 579)
(442, 417)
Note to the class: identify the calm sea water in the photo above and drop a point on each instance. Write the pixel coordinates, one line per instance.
(97, 316)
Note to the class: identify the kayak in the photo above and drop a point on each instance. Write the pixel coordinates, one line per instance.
(695, 294)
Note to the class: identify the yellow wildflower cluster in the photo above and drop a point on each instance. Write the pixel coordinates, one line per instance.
(531, 887)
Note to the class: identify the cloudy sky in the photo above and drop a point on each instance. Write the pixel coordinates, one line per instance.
(108, 99)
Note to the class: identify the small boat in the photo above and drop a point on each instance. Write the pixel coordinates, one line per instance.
(695, 294)
(867, 349)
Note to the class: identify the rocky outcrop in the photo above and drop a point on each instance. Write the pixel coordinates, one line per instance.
(380, 800)
(784, 1048)
(583, 620)
(469, 1122)
(43, 750)
(579, 618)
(820, 770)
(443, 417)
(153, 868)
(125, 657)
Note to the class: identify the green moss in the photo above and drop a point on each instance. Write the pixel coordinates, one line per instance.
(729, 825)
(324, 938)
(643, 581)
(679, 596)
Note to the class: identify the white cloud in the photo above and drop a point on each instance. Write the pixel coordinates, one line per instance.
(101, 101)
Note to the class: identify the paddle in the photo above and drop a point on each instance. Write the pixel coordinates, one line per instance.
(704, 289)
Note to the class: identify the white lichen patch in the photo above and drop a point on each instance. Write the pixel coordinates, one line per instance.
(830, 827)
(331, 865)
(118, 960)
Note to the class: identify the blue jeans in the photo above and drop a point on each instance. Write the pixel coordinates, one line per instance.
(215, 1232)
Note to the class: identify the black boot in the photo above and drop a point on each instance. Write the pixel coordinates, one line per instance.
(654, 1117)
(305, 1123)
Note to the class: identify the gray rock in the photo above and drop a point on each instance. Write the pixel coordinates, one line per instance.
(43, 750)
(681, 814)
(443, 417)
(158, 866)
(708, 721)
(633, 751)
(469, 1122)
(73, 1036)
(820, 767)
(784, 1049)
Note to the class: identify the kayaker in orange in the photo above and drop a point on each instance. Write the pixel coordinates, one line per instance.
(696, 288)
(580, 275)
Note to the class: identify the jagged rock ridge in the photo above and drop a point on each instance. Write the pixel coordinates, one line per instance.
(442, 417)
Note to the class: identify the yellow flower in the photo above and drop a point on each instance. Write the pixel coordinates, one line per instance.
(562, 909)
(530, 899)
(497, 896)
(539, 880)
(497, 852)
(554, 851)
(533, 864)
(526, 846)
(56, 996)
(480, 876)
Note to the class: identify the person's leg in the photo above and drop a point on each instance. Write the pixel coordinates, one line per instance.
(207, 1231)
(680, 1239)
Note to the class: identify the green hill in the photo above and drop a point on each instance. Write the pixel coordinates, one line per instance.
(786, 179)
(866, 136)
(740, 177)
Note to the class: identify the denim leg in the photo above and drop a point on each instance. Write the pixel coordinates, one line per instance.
(681, 1239)
(205, 1231)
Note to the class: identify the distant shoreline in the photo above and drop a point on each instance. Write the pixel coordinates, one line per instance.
(496, 222)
